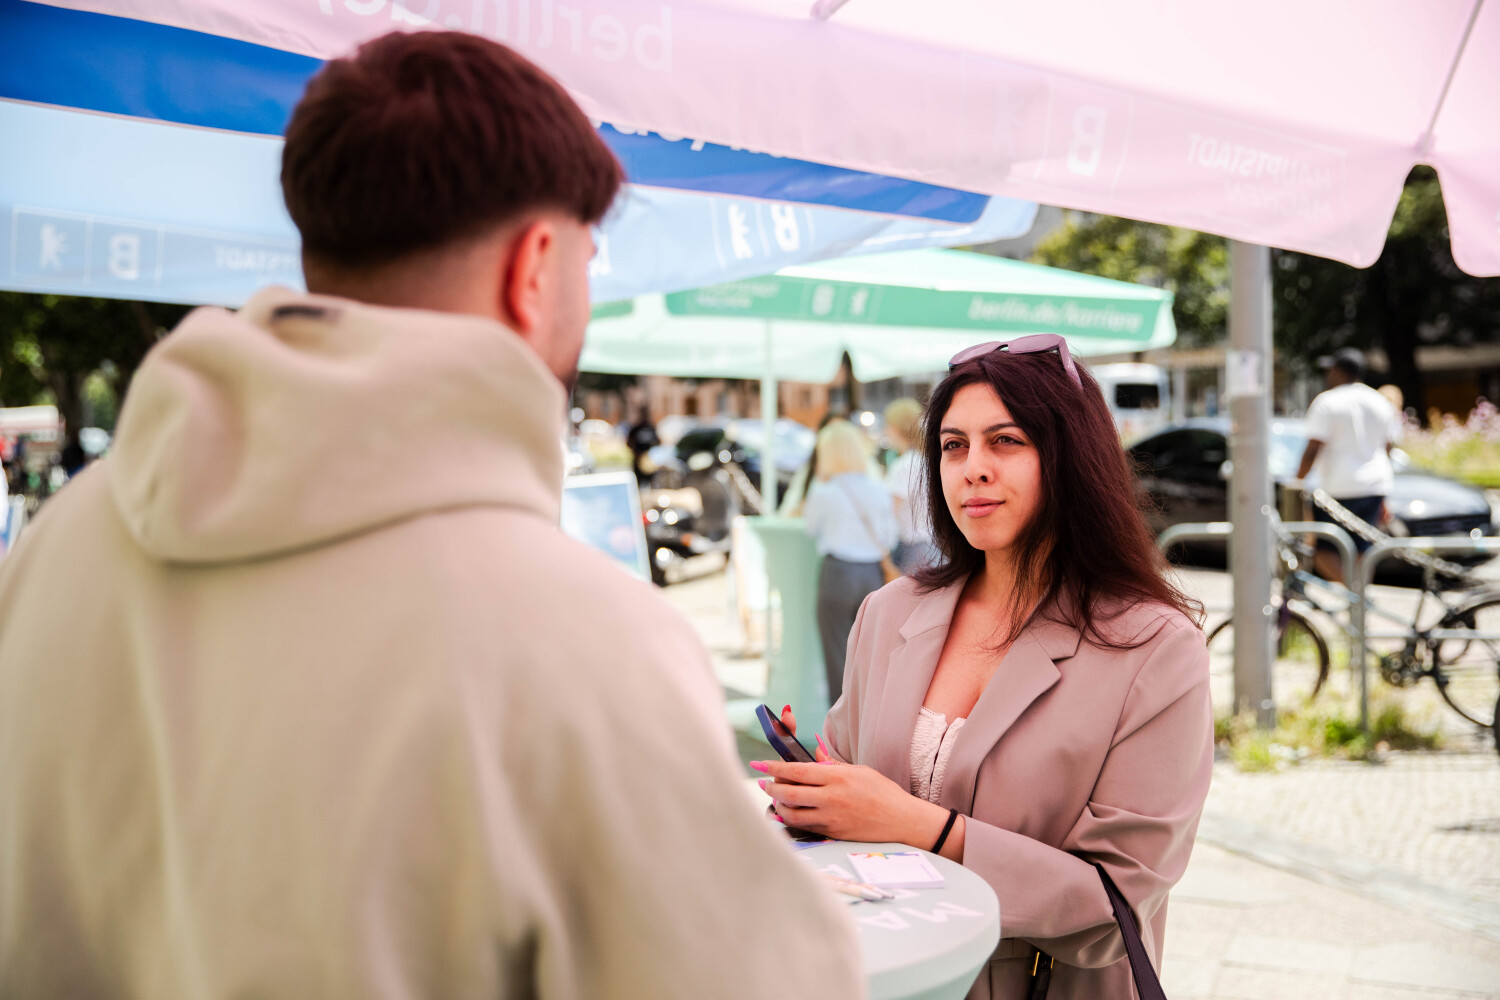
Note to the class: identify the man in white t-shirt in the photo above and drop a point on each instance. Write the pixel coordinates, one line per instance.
(1349, 440)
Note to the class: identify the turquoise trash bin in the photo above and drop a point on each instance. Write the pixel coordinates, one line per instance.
(794, 654)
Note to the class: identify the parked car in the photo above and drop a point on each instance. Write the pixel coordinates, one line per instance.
(1138, 397)
(1183, 470)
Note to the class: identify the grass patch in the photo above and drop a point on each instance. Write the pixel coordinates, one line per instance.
(1467, 450)
(1327, 731)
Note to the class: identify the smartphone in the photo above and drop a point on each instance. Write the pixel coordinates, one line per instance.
(781, 738)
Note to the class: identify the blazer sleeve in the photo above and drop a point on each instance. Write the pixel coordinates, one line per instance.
(1139, 823)
(841, 727)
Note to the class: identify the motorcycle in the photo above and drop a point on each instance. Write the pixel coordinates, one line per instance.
(688, 506)
(696, 488)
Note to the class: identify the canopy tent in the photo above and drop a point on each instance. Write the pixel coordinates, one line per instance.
(1282, 123)
(894, 314)
(146, 167)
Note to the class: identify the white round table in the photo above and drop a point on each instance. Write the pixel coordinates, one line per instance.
(926, 944)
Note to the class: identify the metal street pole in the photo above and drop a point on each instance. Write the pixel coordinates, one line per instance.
(768, 407)
(1248, 388)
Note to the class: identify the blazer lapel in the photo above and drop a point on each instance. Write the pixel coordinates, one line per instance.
(908, 676)
(1027, 672)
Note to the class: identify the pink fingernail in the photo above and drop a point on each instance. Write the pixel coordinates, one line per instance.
(763, 782)
(758, 766)
(786, 710)
(779, 820)
(821, 745)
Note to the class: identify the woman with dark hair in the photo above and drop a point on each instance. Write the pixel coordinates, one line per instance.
(1038, 700)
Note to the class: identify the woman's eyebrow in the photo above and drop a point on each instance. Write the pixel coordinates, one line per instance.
(988, 430)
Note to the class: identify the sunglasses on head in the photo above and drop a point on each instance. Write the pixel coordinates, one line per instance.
(1037, 343)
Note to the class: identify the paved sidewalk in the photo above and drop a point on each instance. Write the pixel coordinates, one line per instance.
(1423, 826)
(1241, 930)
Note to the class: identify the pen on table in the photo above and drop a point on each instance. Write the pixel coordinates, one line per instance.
(859, 889)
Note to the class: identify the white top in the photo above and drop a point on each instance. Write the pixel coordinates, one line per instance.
(850, 518)
(1354, 423)
(931, 746)
(905, 481)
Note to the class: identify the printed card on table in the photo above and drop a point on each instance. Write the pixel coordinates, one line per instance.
(895, 870)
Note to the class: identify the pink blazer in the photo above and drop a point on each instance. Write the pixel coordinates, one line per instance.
(1071, 752)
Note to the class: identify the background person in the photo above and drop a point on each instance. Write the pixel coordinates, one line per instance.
(1397, 399)
(904, 480)
(321, 731)
(640, 439)
(1349, 440)
(848, 513)
(1041, 695)
(803, 479)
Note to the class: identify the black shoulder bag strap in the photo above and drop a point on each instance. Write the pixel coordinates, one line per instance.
(1147, 986)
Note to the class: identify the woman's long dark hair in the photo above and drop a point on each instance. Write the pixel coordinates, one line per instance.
(1087, 541)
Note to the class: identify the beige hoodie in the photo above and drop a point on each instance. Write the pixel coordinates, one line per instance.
(303, 694)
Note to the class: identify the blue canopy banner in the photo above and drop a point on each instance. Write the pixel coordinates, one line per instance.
(101, 204)
(121, 66)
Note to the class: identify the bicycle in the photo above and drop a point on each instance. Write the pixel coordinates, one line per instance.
(1459, 652)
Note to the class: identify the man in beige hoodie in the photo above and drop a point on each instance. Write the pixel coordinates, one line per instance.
(302, 692)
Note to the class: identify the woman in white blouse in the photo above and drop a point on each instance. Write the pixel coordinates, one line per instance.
(849, 515)
(905, 479)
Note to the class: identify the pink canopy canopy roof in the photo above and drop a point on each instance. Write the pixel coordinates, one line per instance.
(1284, 122)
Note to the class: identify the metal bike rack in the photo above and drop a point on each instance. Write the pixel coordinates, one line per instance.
(1191, 531)
(1223, 529)
(1374, 555)
(1184, 532)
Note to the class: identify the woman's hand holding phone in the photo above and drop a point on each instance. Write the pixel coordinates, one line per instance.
(852, 802)
(821, 754)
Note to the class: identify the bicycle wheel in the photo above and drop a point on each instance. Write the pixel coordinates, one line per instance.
(1300, 653)
(1467, 671)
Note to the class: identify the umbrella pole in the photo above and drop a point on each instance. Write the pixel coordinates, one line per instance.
(1249, 393)
(768, 406)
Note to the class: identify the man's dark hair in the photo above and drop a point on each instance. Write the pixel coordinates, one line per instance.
(421, 140)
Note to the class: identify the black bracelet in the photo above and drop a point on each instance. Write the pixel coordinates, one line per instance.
(947, 829)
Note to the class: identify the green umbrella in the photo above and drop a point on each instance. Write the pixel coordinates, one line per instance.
(894, 314)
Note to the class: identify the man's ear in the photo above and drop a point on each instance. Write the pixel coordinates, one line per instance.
(528, 272)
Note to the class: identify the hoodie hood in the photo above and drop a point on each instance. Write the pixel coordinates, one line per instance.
(302, 419)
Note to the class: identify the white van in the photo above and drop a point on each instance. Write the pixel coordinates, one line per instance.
(1138, 395)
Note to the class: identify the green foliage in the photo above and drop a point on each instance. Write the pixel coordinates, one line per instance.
(1327, 730)
(1469, 451)
(1193, 266)
(1413, 294)
(78, 353)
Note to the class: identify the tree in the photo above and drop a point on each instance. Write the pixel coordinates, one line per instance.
(1193, 266)
(54, 348)
(1413, 295)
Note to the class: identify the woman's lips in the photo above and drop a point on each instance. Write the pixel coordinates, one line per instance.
(981, 508)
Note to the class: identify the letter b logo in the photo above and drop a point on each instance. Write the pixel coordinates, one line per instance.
(125, 256)
(1087, 147)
